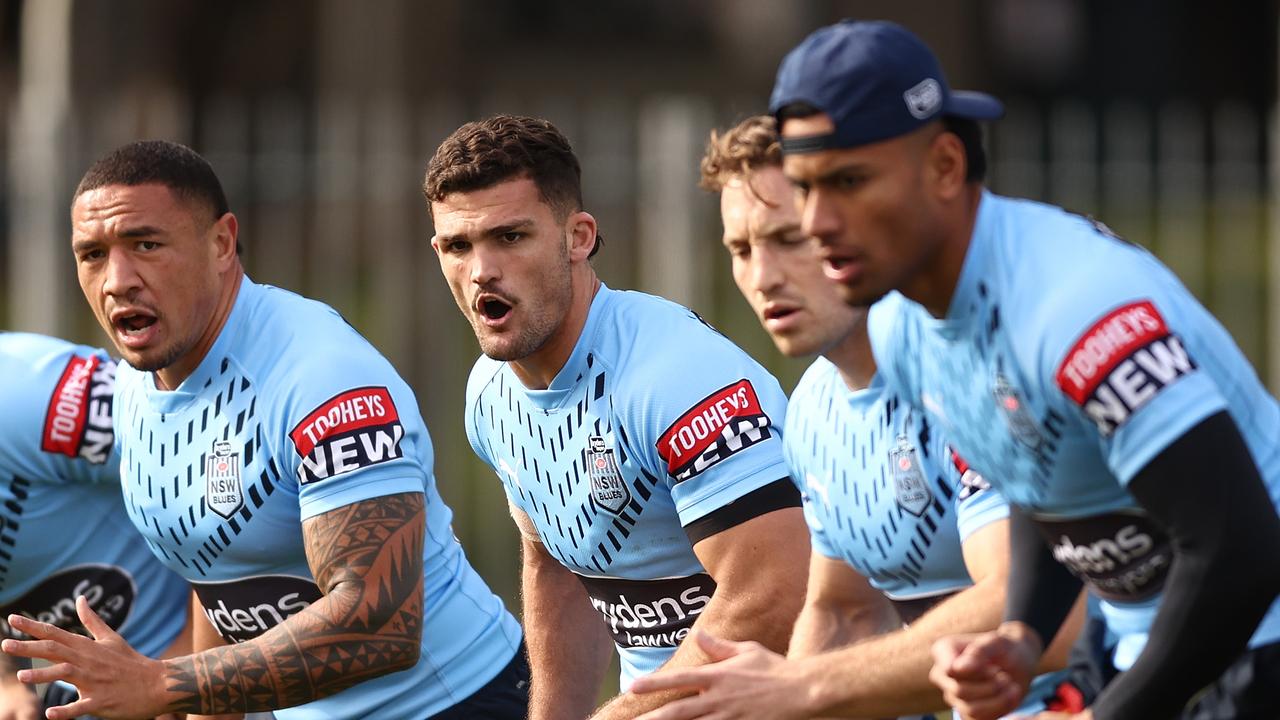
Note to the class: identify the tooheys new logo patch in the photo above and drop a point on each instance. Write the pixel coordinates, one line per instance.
(1121, 363)
(354, 429)
(725, 422)
(78, 422)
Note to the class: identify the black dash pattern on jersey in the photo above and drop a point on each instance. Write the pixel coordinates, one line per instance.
(152, 469)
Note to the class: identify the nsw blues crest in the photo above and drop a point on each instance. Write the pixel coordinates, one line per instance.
(608, 487)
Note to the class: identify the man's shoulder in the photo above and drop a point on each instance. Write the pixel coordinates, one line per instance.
(647, 335)
(815, 383)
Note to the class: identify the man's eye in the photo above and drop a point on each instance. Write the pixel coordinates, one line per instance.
(147, 245)
(91, 255)
(741, 252)
(511, 237)
(457, 247)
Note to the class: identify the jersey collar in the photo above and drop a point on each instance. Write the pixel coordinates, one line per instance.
(211, 366)
(578, 366)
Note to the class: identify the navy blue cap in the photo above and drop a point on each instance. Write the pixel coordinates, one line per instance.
(875, 80)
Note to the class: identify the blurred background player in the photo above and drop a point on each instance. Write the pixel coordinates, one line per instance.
(273, 458)
(901, 532)
(65, 532)
(639, 448)
(1099, 397)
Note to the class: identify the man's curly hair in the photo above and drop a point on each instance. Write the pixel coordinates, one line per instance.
(747, 146)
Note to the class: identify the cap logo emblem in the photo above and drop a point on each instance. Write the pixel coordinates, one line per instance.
(925, 99)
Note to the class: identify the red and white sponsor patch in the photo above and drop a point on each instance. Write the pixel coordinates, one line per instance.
(351, 430)
(727, 421)
(78, 422)
(1122, 362)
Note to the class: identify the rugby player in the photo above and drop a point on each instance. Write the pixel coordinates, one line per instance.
(639, 448)
(1098, 396)
(58, 467)
(900, 531)
(276, 461)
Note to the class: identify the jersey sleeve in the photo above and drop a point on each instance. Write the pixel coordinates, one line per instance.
(709, 421)
(977, 504)
(73, 405)
(353, 432)
(1118, 352)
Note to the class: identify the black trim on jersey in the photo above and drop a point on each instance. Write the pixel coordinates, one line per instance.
(1205, 489)
(777, 495)
(1041, 590)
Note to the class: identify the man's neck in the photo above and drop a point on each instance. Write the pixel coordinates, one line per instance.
(935, 285)
(537, 370)
(853, 358)
(169, 378)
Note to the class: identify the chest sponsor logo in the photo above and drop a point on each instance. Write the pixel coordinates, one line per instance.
(1121, 363)
(352, 430)
(1123, 556)
(971, 482)
(223, 492)
(726, 422)
(909, 484)
(78, 422)
(608, 487)
(1015, 412)
(110, 591)
(244, 609)
(649, 613)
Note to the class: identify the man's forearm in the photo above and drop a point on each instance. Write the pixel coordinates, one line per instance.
(824, 626)
(1220, 585)
(368, 561)
(568, 644)
(888, 675)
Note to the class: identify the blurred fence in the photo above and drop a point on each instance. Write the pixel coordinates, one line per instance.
(327, 194)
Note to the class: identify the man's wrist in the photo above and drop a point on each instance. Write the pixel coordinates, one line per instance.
(1023, 634)
(817, 689)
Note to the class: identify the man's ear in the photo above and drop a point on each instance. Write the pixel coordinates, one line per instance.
(946, 165)
(581, 228)
(225, 231)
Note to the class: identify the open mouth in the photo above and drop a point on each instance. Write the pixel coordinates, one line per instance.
(134, 324)
(494, 309)
(778, 313)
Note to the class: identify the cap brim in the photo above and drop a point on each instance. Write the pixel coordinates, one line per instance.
(973, 105)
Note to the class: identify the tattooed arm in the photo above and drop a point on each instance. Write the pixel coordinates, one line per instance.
(367, 560)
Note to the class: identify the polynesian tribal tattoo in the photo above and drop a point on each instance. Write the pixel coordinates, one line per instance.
(367, 560)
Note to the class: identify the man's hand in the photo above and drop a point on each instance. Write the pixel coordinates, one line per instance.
(744, 680)
(17, 701)
(985, 676)
(113, 679)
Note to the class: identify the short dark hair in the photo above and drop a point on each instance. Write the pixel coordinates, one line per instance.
(743, 148)
(483, 153)
(160, 162)
(967, 129)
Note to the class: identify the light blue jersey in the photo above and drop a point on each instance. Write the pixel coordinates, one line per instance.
(292, 414)
(63, 527)
(655, 422)
(883, 492)
(1067, 361)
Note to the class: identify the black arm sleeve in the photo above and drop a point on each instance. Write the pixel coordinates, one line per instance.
(1041, 589)
(1206, 491)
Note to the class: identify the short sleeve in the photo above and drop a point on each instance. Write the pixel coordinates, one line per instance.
(710, 419)
(353, 432)
(977, 503)
(1124, 356)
